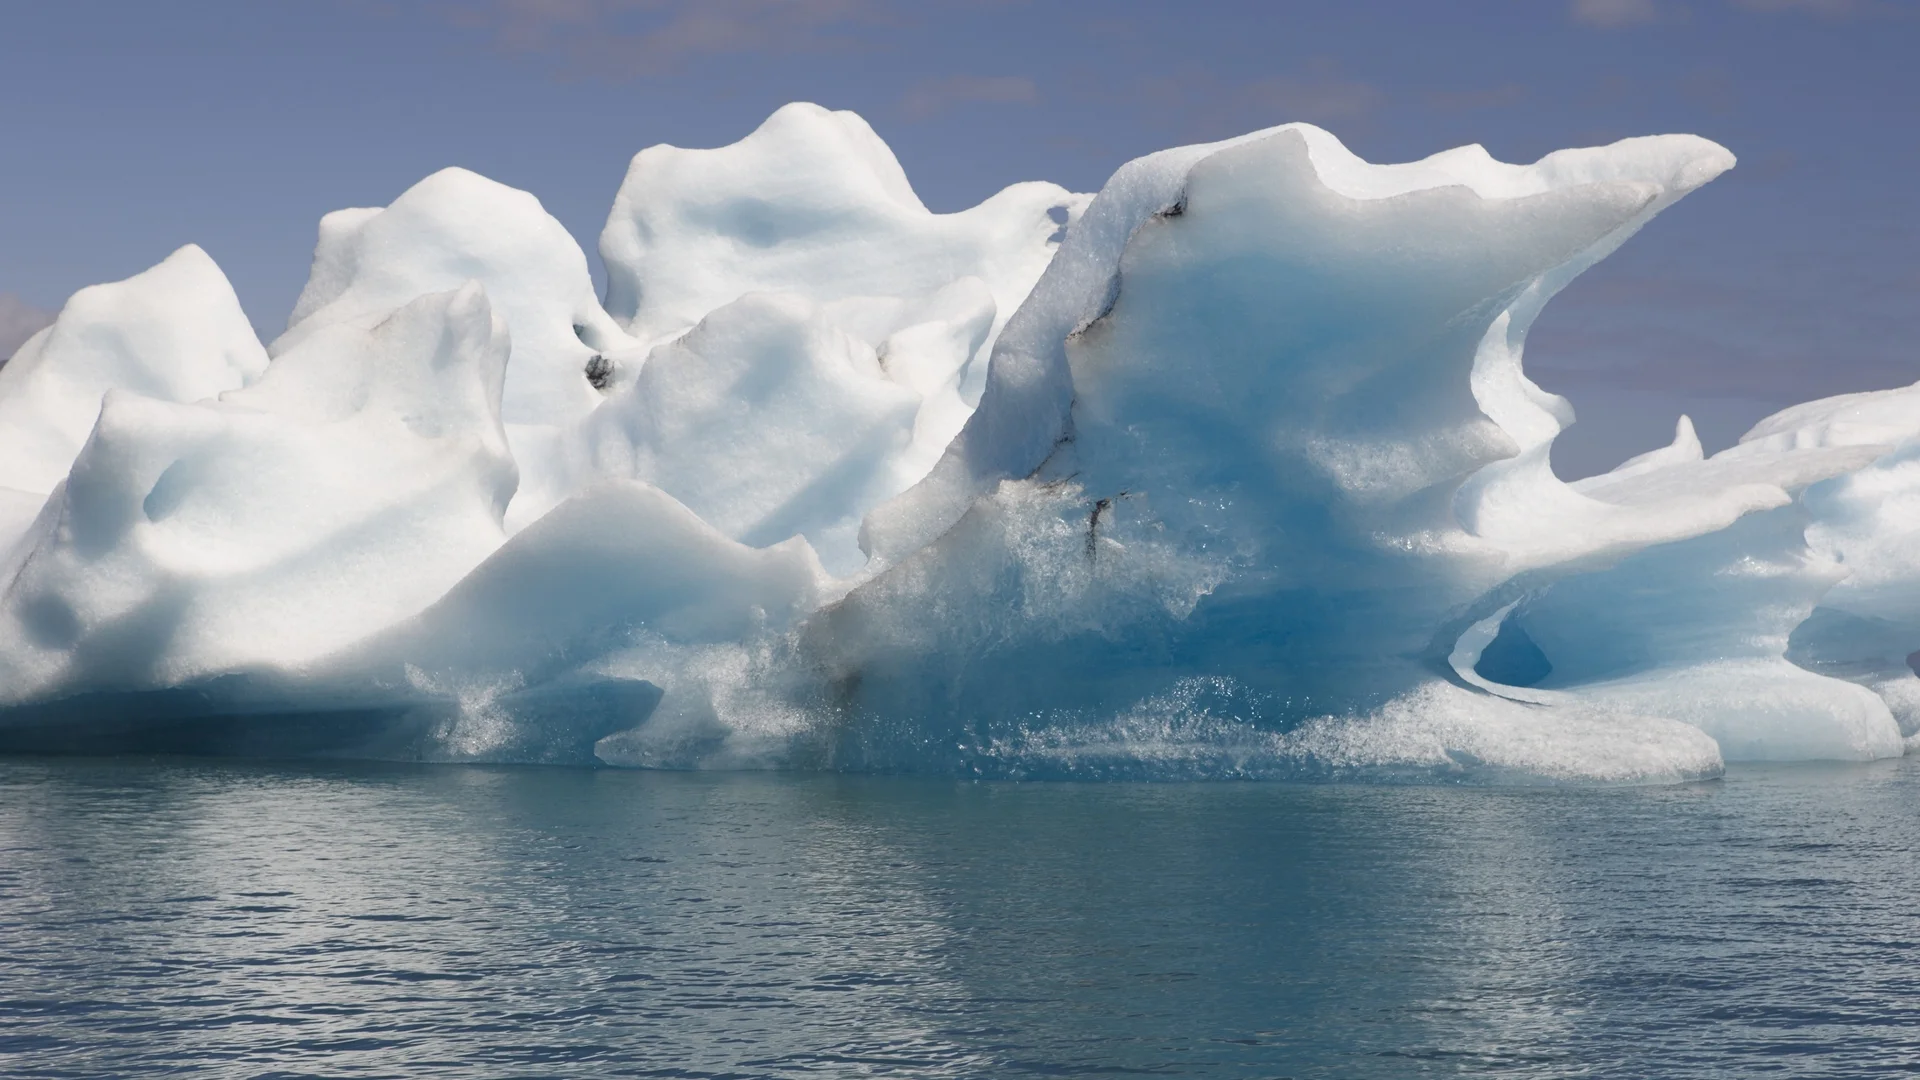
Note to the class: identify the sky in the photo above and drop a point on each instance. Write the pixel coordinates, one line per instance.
(129, 128)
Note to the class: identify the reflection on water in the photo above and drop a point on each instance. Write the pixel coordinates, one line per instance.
(232, 919)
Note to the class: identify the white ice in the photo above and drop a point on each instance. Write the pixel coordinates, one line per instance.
(1232, 469)
(172, 333)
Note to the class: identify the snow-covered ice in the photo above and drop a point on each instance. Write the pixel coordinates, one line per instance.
(1232, 469)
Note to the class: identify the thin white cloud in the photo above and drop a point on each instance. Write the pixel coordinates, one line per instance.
(1612, 13)
(624, 38)
(1615, 13)
(1199, 106)
(1812, 7)
(1493, 97)
(1317, 96)
(933, 95)
(19, 321)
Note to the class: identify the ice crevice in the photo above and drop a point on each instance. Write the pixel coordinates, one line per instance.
(1232, 469)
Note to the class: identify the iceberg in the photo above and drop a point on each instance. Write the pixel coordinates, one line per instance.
(1231, 469)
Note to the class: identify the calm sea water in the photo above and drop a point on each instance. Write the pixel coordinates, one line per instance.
(182, 917)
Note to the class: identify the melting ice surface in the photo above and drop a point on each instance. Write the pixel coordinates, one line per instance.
(1231, 469)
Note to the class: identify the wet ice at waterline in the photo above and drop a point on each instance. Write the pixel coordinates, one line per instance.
(1231, 469)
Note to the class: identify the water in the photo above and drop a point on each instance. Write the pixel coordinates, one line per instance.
(185, 917)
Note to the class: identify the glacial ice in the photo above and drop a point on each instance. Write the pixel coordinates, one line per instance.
(350, 485)
(173, 333)
(1232, 469)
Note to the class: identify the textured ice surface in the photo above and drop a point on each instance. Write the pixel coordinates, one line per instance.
(173, 333)
(349, 486)
(1231, 470)
(766, 421)
(812, 204)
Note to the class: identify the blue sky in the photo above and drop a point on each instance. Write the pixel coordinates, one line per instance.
(129, 128)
